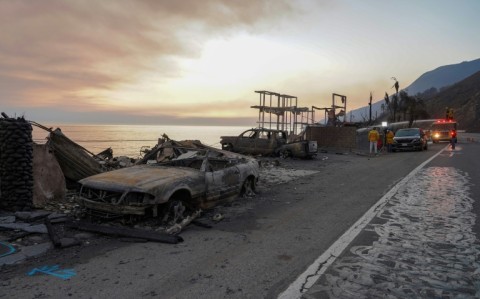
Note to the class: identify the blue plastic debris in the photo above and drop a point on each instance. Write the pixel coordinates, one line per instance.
(6, 249)
(54, 271)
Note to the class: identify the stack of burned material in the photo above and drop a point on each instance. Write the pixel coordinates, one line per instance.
(168, 149)
(76, 162)
(16, 170)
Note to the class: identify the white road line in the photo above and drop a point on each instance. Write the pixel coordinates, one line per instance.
(321, 264)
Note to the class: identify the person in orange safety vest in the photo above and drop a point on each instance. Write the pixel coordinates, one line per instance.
(373, 138)
(390, 136)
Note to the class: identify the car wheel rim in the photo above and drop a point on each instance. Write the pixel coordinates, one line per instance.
(248, 188)
(175, 213)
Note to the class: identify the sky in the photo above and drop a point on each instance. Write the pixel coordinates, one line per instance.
(199, 62)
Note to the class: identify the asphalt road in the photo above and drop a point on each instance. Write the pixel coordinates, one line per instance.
(257, 251)
(423, 243)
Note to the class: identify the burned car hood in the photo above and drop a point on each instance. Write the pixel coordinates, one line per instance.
(140, 177)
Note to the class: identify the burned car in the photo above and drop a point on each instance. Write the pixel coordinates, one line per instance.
(298, 149)
(268, 142)
(255, 141)
(188, 179)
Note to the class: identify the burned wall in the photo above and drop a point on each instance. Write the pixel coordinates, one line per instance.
(337, 137)
(49, 181)
(16, 166)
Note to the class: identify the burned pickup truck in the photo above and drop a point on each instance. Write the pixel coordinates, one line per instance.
(189, 180)
(268, 142)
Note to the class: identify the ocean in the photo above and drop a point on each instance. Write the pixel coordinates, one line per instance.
(128, 140)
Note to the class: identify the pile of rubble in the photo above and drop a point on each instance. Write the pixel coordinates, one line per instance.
(28, 234)
(37, 212)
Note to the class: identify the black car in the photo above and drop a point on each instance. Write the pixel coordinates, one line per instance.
(410, 139)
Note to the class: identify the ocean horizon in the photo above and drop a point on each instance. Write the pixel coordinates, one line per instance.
(128, 140)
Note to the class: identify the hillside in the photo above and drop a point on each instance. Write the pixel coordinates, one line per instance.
(444, 76)
(438, 78)
(464, 98)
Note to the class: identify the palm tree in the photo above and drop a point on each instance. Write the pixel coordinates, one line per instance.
(395, 106)
(412, 108)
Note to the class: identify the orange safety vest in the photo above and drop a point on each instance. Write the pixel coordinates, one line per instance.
(390, 136)
(373, 135)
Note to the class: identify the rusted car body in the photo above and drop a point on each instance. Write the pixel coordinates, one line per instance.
(299, 149)
(198, 178)
(255, 142)
(268, 142)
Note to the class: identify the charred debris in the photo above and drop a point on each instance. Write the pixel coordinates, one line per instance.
(39, 188)
(60, 188)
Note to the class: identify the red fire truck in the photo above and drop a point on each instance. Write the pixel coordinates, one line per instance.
(443, 130)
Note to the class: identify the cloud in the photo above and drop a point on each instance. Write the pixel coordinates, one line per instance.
(55, 52)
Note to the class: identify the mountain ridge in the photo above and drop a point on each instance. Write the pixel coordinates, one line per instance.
(444, 76)
(464, 98)
(438, 78)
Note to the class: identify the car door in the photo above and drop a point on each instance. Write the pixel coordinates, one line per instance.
(222, 180)
(246, 142)
(264, 143)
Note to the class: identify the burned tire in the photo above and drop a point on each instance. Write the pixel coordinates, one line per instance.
(285, 154)
(173, 212)
(176, 209)
(248, 187)
(178, 212)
